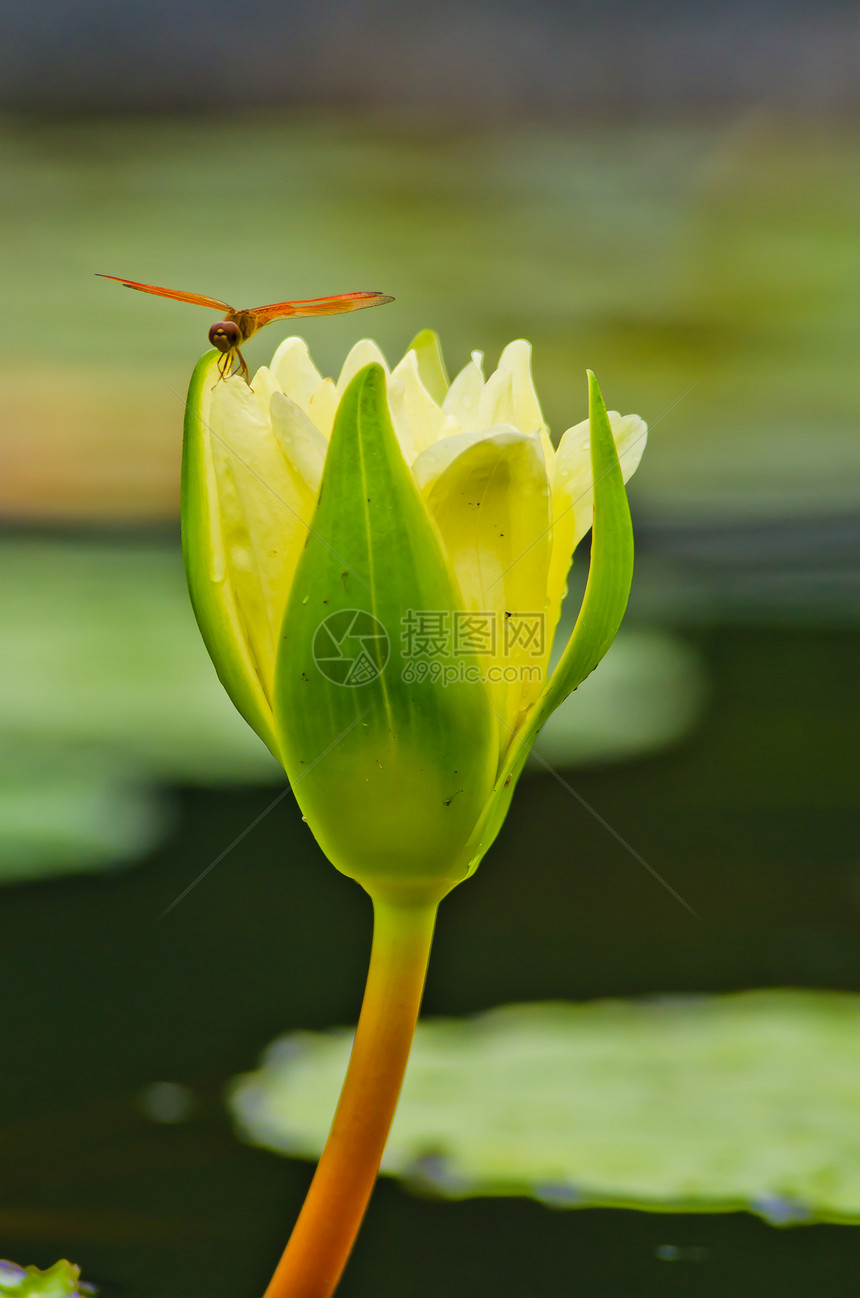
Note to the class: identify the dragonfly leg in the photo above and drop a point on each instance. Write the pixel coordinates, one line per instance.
(243, 370)
(224, 362)
(225, 366)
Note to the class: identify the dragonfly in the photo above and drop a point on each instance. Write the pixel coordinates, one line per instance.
(231, 333)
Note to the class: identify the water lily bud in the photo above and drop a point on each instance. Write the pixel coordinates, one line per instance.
(377, 567)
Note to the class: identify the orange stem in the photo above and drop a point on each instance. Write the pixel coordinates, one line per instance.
(328, 1223)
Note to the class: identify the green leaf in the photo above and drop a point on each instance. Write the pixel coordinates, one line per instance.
(62, 1280)
(431, 364)
(746, 1101)
(391, 769)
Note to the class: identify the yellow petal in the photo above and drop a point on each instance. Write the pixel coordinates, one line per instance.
(572, 492)
(433, 461)
(363, 353)
(463, 397)
(294, 371)
(323, 406)
(496, 404)
(516, 359)
(491, 503)
(417, 419)
(264, 385)
(264, 508)
(302, 445)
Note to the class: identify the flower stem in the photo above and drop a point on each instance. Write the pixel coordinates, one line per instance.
(328, 1223)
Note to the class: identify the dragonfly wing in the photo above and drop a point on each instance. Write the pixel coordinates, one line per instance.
(194, 298)
(264, 315)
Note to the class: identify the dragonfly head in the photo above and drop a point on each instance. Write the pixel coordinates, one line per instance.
(225, 335)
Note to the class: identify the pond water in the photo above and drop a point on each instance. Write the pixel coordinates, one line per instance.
(753, 822)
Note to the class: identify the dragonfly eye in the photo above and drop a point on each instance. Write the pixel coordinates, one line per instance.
(225, 335)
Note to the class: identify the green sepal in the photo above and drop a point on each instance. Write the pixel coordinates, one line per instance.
(212, 596)
(392, 773)
(431, 364)
(610, 575)
(607, 591)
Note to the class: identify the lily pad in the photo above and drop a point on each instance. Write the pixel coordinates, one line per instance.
(106, 693)
(98, 647)
(60, 1281)
(746, 1101)
(73, 810)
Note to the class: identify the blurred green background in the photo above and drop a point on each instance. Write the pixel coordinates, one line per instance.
(700, 252)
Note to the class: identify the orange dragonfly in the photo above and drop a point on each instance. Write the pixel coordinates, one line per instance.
(229, 334)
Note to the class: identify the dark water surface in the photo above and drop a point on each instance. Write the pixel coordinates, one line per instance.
(751, 820)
